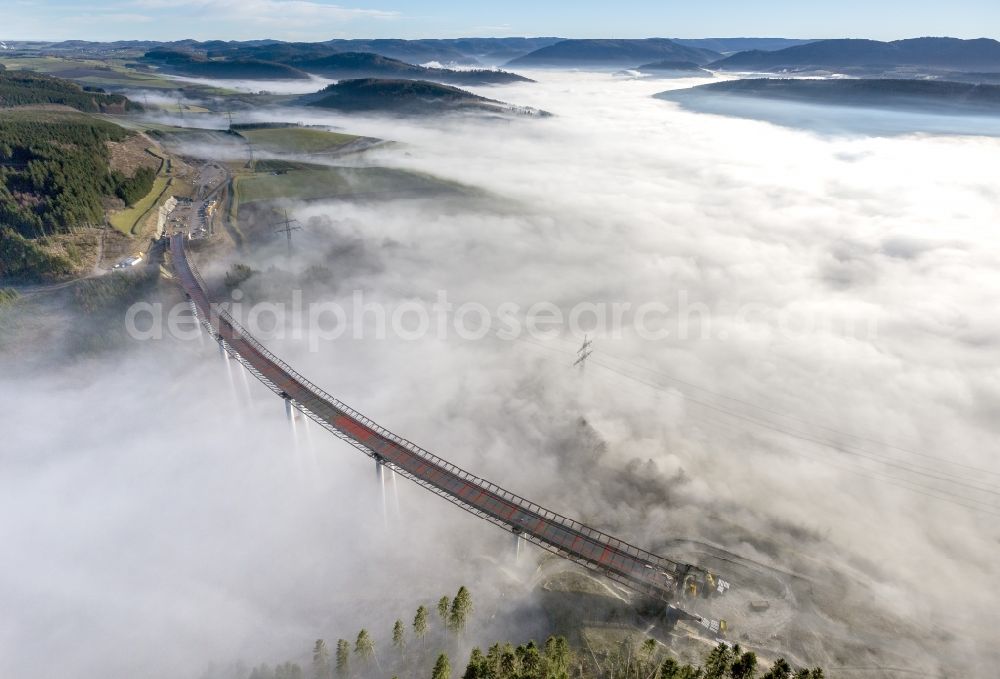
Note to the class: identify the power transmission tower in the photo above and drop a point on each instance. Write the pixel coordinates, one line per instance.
(252, 164)
(287, 226)
(583, 353)
(180, 106)
(229, 114)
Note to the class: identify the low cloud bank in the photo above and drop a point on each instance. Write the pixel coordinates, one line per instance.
(854, 477)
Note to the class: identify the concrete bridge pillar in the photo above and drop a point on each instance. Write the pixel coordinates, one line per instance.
(194, 315)
(380, 476)
(518, 545)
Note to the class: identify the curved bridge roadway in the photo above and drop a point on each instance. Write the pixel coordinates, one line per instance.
(636, 568)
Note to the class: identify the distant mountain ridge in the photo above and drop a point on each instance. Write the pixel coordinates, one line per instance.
(462, 51)
(353, 65)
(295, 61)
(929, 53)
(470, 51)
(731, 45)
(612, 53)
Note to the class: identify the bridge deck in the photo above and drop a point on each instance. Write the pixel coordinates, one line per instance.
(634, 567)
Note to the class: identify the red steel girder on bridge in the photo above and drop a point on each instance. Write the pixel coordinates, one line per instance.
(638, 569)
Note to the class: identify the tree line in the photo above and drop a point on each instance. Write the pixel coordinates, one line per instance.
(360, 659)
(647, 660)
(408, 654)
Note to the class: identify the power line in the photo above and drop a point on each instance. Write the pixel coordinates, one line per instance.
(755, 406)
(883, 477)
(818, 425)
(805, 436)
(251, 163)
(861, 453)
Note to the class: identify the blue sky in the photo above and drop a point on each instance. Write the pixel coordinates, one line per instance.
(321, 20)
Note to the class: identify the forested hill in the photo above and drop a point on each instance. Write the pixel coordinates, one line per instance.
(197, 65)
(407, 97)
(23, 88)
(55, 175)
(899, 95)
(919, 53)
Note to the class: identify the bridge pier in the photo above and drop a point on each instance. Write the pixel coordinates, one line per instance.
(194, 315)
(518, 544)
(246, 384)
(288, 406)
(395, 493)
(380, 475)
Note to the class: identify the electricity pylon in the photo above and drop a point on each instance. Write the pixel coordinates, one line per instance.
(583, 353)
(287, 226)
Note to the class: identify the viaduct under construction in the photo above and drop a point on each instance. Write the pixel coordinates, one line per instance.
(642, 571)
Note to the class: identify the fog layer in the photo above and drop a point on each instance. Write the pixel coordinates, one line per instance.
(836, 418)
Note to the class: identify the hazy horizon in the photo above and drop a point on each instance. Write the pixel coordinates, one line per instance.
(317, 20)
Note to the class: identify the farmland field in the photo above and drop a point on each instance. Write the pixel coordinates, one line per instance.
(90, 72)
(317, 183)
(296, 139)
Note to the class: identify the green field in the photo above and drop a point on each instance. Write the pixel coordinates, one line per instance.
(318, 183)
(122, 78)
(128, 219)
(187, 108)
(109, 73)
(296, 139)
(40, 64)
(91, 72)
